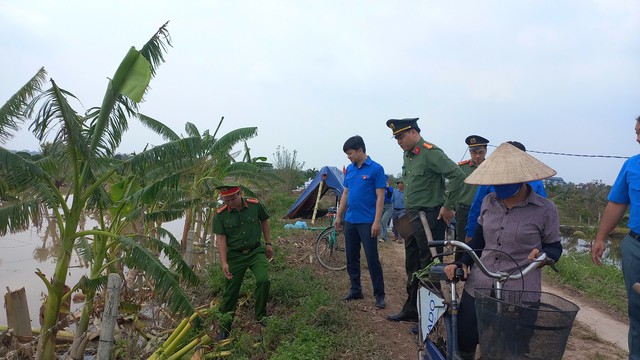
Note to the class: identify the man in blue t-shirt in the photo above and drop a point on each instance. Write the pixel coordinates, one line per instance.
(361, 206)
(624, 194)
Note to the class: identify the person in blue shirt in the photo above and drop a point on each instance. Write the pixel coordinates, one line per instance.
(625, 195)
(361, 206)
(387, 211)
(484, 190)
(397, 201)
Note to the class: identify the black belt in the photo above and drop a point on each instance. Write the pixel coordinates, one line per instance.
(634, 235)
(430, 209)
(247, 249)
(465, 207)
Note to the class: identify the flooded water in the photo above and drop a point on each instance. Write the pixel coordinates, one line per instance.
(611, 256)
(21, 254)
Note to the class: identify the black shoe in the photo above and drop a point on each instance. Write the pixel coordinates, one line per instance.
(224, 334)
(351, 296)
(404, 316)
(414, 330)
(380, 304)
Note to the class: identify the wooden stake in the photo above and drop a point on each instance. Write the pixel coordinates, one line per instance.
(109, 317)
(18, 312)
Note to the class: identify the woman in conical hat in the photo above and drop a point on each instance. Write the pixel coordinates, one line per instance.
(515, 224)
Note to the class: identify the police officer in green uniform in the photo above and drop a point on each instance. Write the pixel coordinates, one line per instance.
(478, 150)
(238, 225)
(425, 168)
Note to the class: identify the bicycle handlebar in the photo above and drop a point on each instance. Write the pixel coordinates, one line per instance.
(500, 276)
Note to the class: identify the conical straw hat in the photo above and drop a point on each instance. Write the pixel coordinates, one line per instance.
(509, 165)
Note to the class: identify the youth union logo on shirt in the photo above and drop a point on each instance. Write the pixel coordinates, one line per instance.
(364, 177)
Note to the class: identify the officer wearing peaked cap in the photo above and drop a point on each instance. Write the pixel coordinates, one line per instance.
(238, 225)
(478, 150)
(424, 171)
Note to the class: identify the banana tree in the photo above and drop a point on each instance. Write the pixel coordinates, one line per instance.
(116, 246)
(90, 142)
(215, 164)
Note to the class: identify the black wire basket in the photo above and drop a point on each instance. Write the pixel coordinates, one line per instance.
(524, 325)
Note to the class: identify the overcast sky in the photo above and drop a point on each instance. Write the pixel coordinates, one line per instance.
(558, 76)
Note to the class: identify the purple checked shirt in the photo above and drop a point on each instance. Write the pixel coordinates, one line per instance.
(516, 232)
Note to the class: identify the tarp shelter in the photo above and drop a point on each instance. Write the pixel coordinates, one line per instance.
(331, 177)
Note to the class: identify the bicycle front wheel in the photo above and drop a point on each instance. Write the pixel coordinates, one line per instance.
(330, 249)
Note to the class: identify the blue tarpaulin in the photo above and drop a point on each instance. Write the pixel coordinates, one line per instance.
(333, 179)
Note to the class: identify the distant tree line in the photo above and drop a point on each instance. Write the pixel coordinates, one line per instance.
(580, 204)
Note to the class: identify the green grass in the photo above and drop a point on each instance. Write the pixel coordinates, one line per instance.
(307, 321)
(601, 283)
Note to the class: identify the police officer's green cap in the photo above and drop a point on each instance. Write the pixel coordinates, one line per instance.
(399, 181)
(399, 125)
(476, 140)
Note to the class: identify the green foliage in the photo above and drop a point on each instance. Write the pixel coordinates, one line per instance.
(579, 203)
(602, 283)
(309, 343)
(288, 168)
(12, 113)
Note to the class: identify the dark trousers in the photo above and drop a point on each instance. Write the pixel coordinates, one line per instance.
(467, 324)
(516, 338)
(462, 214)
(417, 252)
(355, 235)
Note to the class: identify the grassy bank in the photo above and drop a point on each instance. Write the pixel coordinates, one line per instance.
(306, 321)
(604, 284)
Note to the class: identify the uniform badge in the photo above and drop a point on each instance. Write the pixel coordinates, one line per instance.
(416, 150)
(364, 177)
(427, 146)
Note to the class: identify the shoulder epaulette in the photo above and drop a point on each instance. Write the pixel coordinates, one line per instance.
(253, 200)
(427, 145)
(221, 209)
(465, 162)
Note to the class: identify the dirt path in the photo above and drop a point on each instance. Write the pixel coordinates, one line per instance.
(594, 336)
(603, 325)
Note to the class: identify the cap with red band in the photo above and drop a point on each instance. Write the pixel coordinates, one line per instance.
(226, 191)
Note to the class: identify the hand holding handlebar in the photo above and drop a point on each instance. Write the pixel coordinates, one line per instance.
(536, 257)
(450, 271)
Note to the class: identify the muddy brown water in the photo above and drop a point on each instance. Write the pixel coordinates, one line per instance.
(22, 253)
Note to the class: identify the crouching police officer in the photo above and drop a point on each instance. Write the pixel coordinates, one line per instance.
(238, 225)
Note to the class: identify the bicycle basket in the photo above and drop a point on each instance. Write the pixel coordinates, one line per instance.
(525, 325)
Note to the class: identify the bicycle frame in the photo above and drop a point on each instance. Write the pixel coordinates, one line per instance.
(328, 244)
(437, 274)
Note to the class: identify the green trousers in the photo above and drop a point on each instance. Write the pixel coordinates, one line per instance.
(256, 261)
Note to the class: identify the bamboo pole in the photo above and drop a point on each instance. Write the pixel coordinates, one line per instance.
(315, 207)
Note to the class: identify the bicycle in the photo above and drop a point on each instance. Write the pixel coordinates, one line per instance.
(330, 246)
(506, 318)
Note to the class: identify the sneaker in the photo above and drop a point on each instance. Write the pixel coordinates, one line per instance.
(381, 240)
